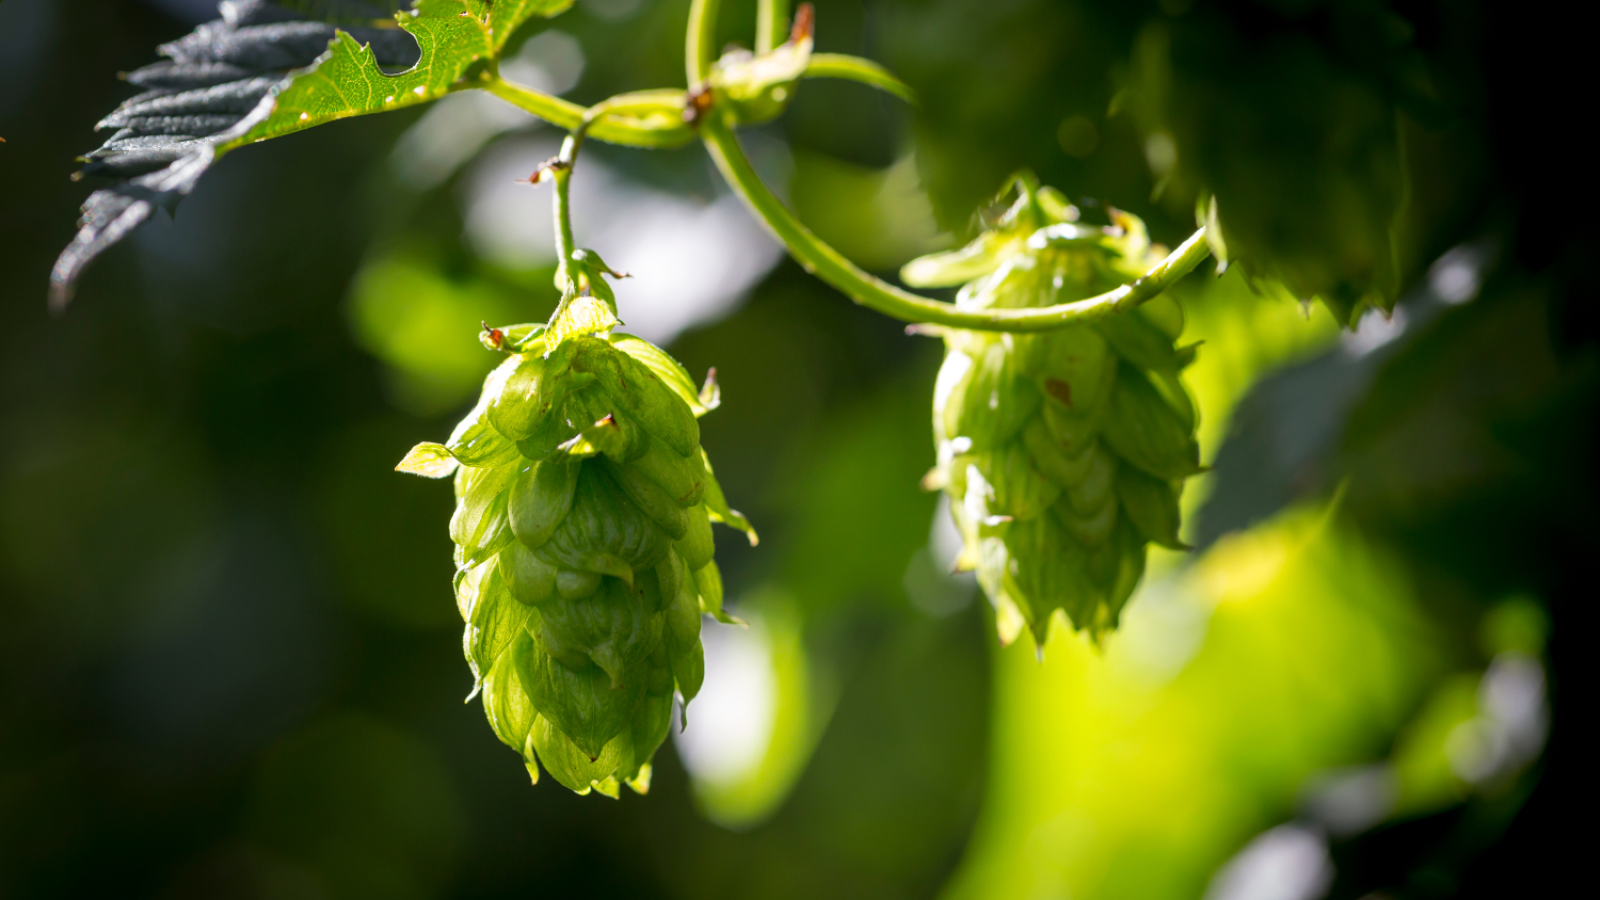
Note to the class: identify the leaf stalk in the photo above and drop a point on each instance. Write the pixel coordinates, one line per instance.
(828, 264)
(772, 24)
(617, 119)
(700, 35)
(648, 119)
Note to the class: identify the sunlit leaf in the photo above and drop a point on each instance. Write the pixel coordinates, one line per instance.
(263, 71)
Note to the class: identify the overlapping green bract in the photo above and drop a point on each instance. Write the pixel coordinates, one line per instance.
(582, 528)
(1063, 452)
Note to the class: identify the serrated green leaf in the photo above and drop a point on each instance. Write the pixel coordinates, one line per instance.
(170, 136)
(454, 37)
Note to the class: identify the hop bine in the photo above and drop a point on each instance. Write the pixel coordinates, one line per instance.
(583, 546)
(1063, 452)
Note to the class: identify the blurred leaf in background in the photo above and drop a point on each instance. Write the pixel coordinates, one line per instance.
(1287, 650)
(422, 324)
(367, 807)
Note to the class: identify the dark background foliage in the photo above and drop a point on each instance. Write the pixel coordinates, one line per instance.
(228, 657)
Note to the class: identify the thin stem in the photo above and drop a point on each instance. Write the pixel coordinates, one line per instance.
(854, 68)
(558, 112)
(561, 173)
(772, 24)
(830, 265)
(700, 36)
(628, 123)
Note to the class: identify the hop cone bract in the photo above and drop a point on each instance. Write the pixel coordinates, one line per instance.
(582, 528)
(1063, 452)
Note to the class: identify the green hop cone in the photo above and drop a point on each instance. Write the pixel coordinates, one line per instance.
(1063, 452)
(583, 547)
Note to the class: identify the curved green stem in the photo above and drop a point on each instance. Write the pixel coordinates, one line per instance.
(700, 36)
(662, 109)
(648, 119)
(558, 112)
(560, 171)
(820, 259)
(772, 24)
(854, 68)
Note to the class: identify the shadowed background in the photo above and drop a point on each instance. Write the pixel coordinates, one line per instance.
(229, 657)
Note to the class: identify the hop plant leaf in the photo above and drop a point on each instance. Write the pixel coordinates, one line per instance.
(1316, 203)
(1064, 452)
(582, 528)
(264, 70)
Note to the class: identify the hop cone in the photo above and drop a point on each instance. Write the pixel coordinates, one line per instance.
(583, 549)
(1063, 452)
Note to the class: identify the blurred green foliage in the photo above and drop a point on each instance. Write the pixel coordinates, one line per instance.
(1200, 725)
(368, 808)
(400, 306)
(228, 659)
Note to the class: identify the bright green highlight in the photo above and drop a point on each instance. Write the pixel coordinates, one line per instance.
(657, 124)
(1197, 726)
(453, 35)
(801, 708)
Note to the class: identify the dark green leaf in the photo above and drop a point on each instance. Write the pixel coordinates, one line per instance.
(266, 70)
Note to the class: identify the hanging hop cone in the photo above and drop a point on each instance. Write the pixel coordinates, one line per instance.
(1063, 452)
(583, 548)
